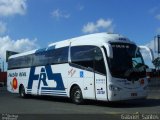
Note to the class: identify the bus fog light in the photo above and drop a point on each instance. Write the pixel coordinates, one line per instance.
(114, 88)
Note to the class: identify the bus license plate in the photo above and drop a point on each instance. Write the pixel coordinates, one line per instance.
(133, 94)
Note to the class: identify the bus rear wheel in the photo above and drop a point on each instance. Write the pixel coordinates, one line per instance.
(22, 91)
(76, 95)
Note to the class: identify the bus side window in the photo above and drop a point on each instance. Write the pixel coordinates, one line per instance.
(99, 61)
(83, 56)
(20, 62)
(57, 56)
(86, 56)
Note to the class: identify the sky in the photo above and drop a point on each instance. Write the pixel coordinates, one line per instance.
(30, 24)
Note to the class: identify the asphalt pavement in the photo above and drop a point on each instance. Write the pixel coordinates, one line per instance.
(46, 107)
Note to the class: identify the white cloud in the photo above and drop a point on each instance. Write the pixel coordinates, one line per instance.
(59, 14)
(2, 27)
(21, 45)
(90, 28)
(100, 24)
(103, 23)
(12, 7)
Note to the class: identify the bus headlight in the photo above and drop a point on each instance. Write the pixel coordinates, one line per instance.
(114, 88)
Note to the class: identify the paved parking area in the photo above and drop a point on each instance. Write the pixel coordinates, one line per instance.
(13, 104)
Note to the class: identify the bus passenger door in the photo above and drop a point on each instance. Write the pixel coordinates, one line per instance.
(100, 87)
(100, 79)
(88, 82)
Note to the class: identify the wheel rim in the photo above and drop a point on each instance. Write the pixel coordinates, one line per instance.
(22, 92)
(77, 96)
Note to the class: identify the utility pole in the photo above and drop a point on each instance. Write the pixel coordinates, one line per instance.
(3, 66)
(0, 66)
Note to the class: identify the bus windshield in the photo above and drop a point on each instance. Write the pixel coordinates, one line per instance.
(127, 61)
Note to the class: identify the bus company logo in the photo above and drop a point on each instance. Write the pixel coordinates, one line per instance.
(14, 83)
(45, 75)
(71, 72)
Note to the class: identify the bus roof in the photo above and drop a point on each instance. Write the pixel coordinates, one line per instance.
(93, 39)
(97, 39)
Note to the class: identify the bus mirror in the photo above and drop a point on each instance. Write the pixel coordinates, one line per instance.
(149, 50)
(109, 50)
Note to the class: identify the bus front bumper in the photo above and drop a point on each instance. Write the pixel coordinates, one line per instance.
(127, 95)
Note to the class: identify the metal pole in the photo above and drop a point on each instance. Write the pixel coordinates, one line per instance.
(3, 66)
(0, 65)
(0, 68)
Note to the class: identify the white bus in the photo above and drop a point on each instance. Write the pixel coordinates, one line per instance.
(101, 66)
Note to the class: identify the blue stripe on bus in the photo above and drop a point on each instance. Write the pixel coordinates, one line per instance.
(62, 91)
(53, 94)
(53, 91)
(49, 91)
(48, 88)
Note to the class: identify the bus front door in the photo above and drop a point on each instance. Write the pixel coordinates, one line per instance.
(89, 86)
(100, 79)
(100, 87)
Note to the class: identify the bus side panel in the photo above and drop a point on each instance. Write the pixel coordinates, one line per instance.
(69, 76)
(85, 80)
(56, 80)
(48, 80)
(17, 77)
(41, 80)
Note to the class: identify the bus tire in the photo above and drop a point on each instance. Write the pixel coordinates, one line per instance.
(22, 92)
(76, 95)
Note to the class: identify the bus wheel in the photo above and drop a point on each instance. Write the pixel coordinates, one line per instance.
(22, 91)
(76, 95)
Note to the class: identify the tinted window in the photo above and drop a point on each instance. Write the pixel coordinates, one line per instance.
(83, 55)
(59, 55)
(20, 62)
(126, 57)
(99, 61)
(40, 58)
(51, 56)
(89, 57)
